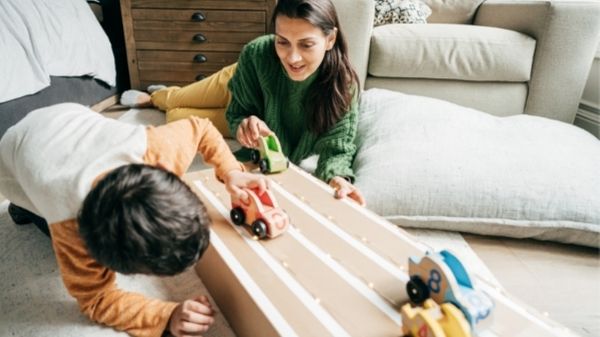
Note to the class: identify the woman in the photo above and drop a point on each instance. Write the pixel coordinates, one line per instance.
(297, 83)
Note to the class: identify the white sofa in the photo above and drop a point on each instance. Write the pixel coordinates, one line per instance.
(504, 57)
(428, 157)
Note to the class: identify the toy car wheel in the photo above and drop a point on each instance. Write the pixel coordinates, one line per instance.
(264, 166)
(237, 216)
(417, 290)
(255, 156)
(259, 228)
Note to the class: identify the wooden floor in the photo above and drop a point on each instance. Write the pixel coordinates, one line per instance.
(562, 281)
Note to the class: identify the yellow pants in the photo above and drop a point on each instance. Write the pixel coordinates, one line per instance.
(207, 98)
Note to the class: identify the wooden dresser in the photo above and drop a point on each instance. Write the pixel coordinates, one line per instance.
(176, 42)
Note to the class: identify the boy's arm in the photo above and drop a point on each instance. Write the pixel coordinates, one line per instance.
(94, 287)
(173, 147)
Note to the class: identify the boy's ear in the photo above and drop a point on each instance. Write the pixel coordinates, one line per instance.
(331, 38)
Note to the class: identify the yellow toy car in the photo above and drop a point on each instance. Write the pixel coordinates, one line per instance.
(433, 320)
(269, 157)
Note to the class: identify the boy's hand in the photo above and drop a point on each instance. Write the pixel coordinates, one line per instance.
(236, 181)
(250, 129)
(191, 317)
(343, 188)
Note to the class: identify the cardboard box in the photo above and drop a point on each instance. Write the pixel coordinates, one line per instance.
(339, 270)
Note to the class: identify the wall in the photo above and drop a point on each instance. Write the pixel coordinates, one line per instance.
(588, 116)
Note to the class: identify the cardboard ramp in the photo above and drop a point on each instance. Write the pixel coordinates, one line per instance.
(339, 270)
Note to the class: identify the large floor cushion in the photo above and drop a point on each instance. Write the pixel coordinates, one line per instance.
(428, 163)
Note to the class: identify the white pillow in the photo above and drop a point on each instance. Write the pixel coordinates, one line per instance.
(423, 162)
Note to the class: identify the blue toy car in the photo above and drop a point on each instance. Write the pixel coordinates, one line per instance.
(442, 277)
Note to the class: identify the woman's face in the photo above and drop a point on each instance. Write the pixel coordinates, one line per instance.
(300, 46)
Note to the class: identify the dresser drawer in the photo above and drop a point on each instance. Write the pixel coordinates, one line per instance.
(175, 77)
(180, 41)
(193, 40)
(182, 67)
(194, 19)
(193, 58)
(219, 4)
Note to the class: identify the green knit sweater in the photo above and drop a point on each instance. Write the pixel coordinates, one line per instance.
(261, 87)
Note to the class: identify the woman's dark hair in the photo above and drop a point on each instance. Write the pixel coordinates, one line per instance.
(333, 91)
(142, 219)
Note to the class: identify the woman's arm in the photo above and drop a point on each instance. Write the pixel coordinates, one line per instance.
(336, 151)
(336, 148)
(246, 93)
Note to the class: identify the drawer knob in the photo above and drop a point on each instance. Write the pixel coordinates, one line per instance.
(200, 77)
(199, 38)
(200, 58)
(198, 17)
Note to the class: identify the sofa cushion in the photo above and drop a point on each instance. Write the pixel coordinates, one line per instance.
(423, 162)
(496, 98)
(448, 51)
(452, 11)
(400, 11)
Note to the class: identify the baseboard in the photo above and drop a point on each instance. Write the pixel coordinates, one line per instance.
(588, 118)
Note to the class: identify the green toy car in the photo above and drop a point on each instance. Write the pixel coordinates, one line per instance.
(269, 157)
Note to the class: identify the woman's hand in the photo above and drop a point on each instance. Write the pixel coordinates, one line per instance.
(236, 181)
(250, 129)
(343, 188)
(191, 317)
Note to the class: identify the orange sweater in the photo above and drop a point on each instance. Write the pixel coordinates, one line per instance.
(171, 147)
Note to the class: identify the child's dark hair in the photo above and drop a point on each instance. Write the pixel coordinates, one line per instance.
(333, 91)
(143, 219)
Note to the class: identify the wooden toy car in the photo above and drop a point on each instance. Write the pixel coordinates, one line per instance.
(442, 277)
(433, 320)
(261, 213)
(269, 157)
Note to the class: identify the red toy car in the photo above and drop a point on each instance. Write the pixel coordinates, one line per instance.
(261, 212)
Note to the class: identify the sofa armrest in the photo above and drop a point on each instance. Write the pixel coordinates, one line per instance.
(567, 35)
(356, 21)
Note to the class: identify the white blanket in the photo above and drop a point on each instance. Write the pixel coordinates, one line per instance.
(43, 38)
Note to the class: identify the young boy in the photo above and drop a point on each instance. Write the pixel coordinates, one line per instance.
(112, 195)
